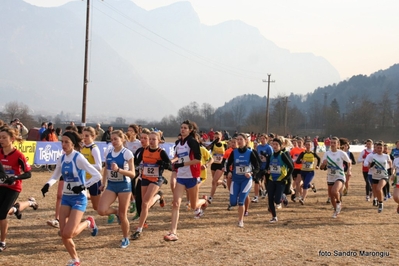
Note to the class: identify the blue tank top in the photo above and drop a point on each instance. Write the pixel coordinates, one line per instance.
(120, 162)
(242, 164)
(73, 176)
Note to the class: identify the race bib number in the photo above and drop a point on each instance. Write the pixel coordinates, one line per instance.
(69, 183)
(308, 165)
(115, 176)
(183, 157)
(242, 169)
(379, 173)
(217, 158)
(151, 170)
(275, 169)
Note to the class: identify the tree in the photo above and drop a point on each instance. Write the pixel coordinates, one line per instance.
(18, 110)
(207, 112)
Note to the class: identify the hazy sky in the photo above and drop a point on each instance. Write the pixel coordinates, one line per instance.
(355, 36)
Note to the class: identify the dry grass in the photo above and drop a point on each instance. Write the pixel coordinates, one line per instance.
(215, 239)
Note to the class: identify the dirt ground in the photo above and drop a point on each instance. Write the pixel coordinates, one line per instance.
(304, 235)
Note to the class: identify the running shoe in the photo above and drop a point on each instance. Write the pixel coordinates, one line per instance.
(198, 213)
(161, 199)
(136, 235)
(273, 220)
(54, 223)
(389, 195)
(335, 214)
(229, 207)
(367, 198)
(205, 205)
(240, 224)
(2, 246)
(301, 201)
(170, 237)
(224, 183)
(328, 201)
(17, 213)
(380, 207)
(125, 242)
(375, 202)
(93, 227)
(314, 188)
(132, 207)
(210, 200)
(111, 218)
(285, 200)
(293, 198)
(246, 213)
(73, 263)
(264, 194)
(254, 199)
(33, 203)
(278, 206)
(338, 208)
(136, 217)
(145, 225)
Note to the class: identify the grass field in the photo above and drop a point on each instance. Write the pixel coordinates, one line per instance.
(304, 235)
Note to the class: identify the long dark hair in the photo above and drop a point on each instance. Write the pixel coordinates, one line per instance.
(192, 126)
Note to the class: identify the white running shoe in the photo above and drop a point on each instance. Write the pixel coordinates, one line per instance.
(54, 223)
(241, 224)
(338, 208)
(278, 206)
(254, 199)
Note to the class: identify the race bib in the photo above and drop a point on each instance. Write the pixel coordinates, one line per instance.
(69, 183)
(115, 176)
(308, 165)
(242, 169)
(151, 170)
(183, 157)
(217, 158)
(275, 169)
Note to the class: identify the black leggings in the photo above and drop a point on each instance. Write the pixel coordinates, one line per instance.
(137, 196)
(7, 200)
(368, 186)
(386, 189)
(275, 191)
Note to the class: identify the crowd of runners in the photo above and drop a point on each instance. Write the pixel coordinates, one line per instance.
(273, 167)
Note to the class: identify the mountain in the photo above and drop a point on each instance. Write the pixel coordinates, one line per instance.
(347, 93)
(163, 57)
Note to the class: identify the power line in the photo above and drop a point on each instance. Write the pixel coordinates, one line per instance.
(221, 67)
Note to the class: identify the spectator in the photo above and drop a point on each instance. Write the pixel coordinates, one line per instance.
(315, 144)
(211, 134)
(100, 132)
(49, 133)
(23, 131)
(58, 132)
(42, 129)
(107, 135)
(327, 143)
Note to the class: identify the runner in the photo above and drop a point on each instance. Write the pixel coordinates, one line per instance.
(395, 179)
(133, 144)
(154, 161)
(379, 164)
(73, 165)
(365, 170)
(217, 148)
(345, 147)
(265, 151)
(280, 168)
(333, 162)
(296, 174)
(119, 169)
(307, 160)
(244, 164)
(187, 163)
(13, 169)
(92, 153)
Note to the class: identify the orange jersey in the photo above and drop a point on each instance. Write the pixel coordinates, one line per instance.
(294, 152)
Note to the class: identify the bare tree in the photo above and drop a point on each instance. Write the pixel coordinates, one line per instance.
(18, 110)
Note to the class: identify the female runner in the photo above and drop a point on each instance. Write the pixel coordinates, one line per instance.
(73, 165)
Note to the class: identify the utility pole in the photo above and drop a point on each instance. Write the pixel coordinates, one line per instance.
(86, 66)
(268, 101)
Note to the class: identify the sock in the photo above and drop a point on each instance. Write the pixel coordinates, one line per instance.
(14, 209)
(4, 243)
(88, 223)
(139, 229)
(30, 203)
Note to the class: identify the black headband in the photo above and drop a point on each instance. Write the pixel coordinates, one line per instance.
(72, 137)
